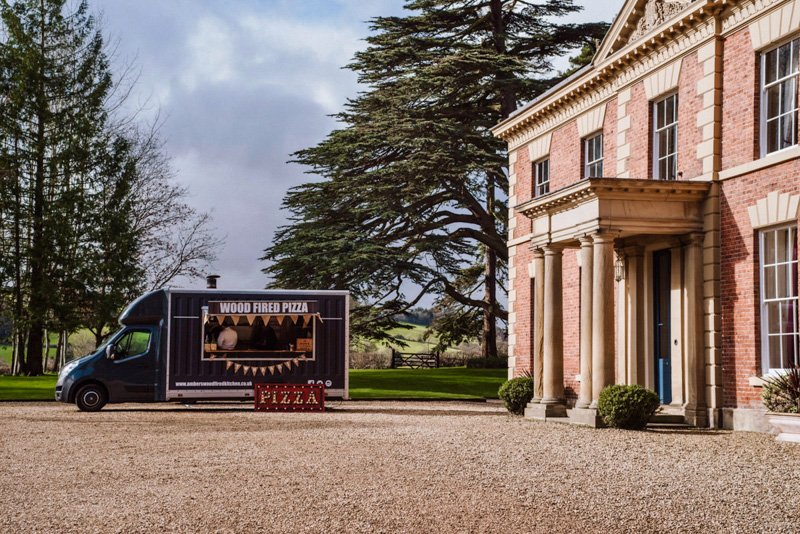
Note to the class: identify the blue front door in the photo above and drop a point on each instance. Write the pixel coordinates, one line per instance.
(661, 328)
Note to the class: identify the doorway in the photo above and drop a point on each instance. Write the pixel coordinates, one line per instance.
(661, 314)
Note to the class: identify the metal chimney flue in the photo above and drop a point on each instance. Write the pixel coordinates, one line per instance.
(211, 281)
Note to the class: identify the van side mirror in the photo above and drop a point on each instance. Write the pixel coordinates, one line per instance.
(110, 352)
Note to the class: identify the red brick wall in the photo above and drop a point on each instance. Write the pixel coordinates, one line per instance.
(572, 320)
(740, 101)
(565, 156)
(523, 306)
(689, 105)
(610, 141)
(639, 134)
(741, 334)
(523, 189)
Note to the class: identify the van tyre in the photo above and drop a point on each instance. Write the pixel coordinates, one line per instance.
(91, 398)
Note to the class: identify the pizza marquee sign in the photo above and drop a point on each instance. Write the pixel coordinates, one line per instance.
(289, 398)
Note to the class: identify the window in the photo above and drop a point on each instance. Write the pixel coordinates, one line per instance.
(541, 176)
(779, 330)
(665, 138)
(133, 343)
(779, 69)
(593, 148)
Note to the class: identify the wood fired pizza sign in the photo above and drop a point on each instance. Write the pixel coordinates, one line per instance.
(272, 307)
(289, 398)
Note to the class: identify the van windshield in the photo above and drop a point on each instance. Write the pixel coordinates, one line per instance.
(108, 340)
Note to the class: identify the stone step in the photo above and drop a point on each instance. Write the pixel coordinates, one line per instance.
(668, 425)
(667, 418)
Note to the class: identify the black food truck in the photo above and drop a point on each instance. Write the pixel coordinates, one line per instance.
(190, 345)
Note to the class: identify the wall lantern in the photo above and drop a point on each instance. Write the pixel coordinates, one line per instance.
(619, 267)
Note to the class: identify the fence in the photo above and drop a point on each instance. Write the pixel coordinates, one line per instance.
(415, 361)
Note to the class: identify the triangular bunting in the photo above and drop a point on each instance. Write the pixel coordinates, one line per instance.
(250, 319)
(288, 364)
(246, 369)
(303, 357)
(212, 356)
(228, 365)
(263, 371)
(293, 318)
(236, 367)
(280, 367)
(266, 318)
(271, 369)
(296, 360)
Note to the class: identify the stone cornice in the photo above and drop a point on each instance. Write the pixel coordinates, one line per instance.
(744, 11)
(599, 84)
(613, 188)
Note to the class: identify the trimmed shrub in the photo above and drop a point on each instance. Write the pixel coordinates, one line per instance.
(487, 363)
(628, 407)
(516, 393)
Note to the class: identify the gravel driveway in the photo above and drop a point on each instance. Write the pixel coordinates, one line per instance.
(379, 467)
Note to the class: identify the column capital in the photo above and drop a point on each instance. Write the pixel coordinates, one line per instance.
(695, 239)
(604, 237)
(538, 252)
(585, 240)
(554, 249)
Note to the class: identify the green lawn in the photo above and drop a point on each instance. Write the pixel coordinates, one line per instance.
(449, 382)
(28, 387)
(5, 354)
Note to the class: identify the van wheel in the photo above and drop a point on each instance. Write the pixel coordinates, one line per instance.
(91, 398)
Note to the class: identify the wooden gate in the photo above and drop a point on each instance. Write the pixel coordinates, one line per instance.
(415, 361)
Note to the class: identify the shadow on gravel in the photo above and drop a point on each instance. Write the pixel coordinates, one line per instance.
(691, 432)
(407, 411)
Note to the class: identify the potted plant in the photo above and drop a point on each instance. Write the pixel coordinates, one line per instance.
(781, 396)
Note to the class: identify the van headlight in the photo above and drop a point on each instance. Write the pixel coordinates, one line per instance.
(67, 369)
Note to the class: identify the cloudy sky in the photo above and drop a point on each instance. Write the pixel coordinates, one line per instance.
(241, 85)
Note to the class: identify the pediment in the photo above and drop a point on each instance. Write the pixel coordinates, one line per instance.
(636, 19)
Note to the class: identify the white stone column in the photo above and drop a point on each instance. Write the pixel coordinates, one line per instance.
(694, 409)
(553, 372)
(538, 324)
(635, 329)
(602, 315)
(587, 280)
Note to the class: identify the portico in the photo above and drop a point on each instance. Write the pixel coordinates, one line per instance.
(618, 226)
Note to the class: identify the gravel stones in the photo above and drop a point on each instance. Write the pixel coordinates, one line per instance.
(379, 467)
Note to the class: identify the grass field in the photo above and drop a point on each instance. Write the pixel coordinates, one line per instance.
(27, 387)
(449, 382)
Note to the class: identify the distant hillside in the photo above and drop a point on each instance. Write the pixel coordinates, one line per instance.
(418, 316)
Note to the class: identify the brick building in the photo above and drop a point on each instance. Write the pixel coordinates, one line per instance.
(654, 214)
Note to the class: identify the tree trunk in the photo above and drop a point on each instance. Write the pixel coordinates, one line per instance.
(489, 344)
(98, 336)
(38, 300)
(22, 367)
(13, 353)
(57, 357)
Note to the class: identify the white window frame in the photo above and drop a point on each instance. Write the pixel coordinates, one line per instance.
(764, 234)
(588, 165)
(657, 155)
(763, 97)
(541, 167)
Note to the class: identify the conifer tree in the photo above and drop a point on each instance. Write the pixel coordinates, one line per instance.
(413, 196)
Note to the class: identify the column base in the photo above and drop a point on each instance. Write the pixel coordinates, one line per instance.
(543, 412)
(696, 416)
(585, 417)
